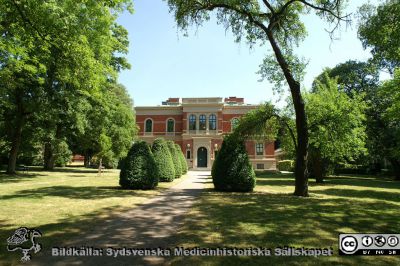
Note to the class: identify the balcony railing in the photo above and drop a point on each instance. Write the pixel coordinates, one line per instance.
(203, 132)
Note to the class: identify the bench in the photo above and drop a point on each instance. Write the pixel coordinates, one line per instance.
(23, 168)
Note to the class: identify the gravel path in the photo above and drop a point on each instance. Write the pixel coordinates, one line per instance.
(150, 225)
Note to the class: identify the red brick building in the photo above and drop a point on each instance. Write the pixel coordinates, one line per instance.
(198, 126)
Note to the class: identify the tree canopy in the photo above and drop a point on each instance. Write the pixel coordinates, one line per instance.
(54, 56)
(336, 126)
(353, 77)
(379, 30)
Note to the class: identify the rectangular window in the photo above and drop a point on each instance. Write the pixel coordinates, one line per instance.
(188, 154)
(260, 166)
(259, 149)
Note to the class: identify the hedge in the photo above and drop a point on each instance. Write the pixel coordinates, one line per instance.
(175, 158)
(139, 169)
(163, 158)
(232, 170)
(286, 165)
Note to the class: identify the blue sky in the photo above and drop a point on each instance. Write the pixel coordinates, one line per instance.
(209, 63)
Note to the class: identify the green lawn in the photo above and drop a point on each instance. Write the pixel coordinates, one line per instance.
(270, 217)
(62, 203)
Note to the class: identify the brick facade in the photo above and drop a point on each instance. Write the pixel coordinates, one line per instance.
(201, 134)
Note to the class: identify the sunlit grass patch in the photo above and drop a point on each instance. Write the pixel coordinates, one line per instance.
(272, 217)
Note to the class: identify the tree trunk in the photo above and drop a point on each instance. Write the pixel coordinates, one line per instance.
(100, 167)
(49, 157)
(86, 160)
(16, 142)
(301, 174)
(17, 134)
(396, 168)
(317, 168)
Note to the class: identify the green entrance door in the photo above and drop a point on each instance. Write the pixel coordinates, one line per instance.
(202, 157)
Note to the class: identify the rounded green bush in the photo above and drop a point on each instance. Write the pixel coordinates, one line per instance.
(163, 158)
(182, 159)
(232, 170)
(139, 169)
(175, 158)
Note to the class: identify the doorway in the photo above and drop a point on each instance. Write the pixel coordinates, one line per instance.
(202, 157)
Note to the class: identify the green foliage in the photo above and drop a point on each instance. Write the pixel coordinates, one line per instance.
(353, 77)
(182, 159)
(286, 165)
(379, 30)
(336, 123)
(63, 154)
(387, 131)
(163, 158)
(232, 170)
(108, 127)
(139, 170)
(54, 56)
(261, 123)
(175, 158)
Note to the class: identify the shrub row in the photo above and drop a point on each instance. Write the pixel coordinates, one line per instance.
(144, 167)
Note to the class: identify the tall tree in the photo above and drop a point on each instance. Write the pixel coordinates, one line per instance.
(51, 50)
(362, 79)
(277, 22)
(109, 127)
(379, 30)
(336, 126)
(389, 110)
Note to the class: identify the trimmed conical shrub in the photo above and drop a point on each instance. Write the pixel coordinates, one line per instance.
(139, 169)
(162, 156)
(182, 159)
(232, 170)
(175, 158)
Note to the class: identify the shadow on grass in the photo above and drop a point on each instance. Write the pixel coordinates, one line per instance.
(71, 192)
(5, 178)
(369, 193)
(279, 220)
(287, 179)
(35, 172)
(117, 227)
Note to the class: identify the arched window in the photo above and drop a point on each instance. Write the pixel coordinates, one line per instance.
(202, 122)
(212, 122)
(192, 122)
(170, 125)
(148, 125)
(234, 123)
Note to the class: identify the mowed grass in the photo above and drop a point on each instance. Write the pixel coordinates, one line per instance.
(270, 217)
(63, 203)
